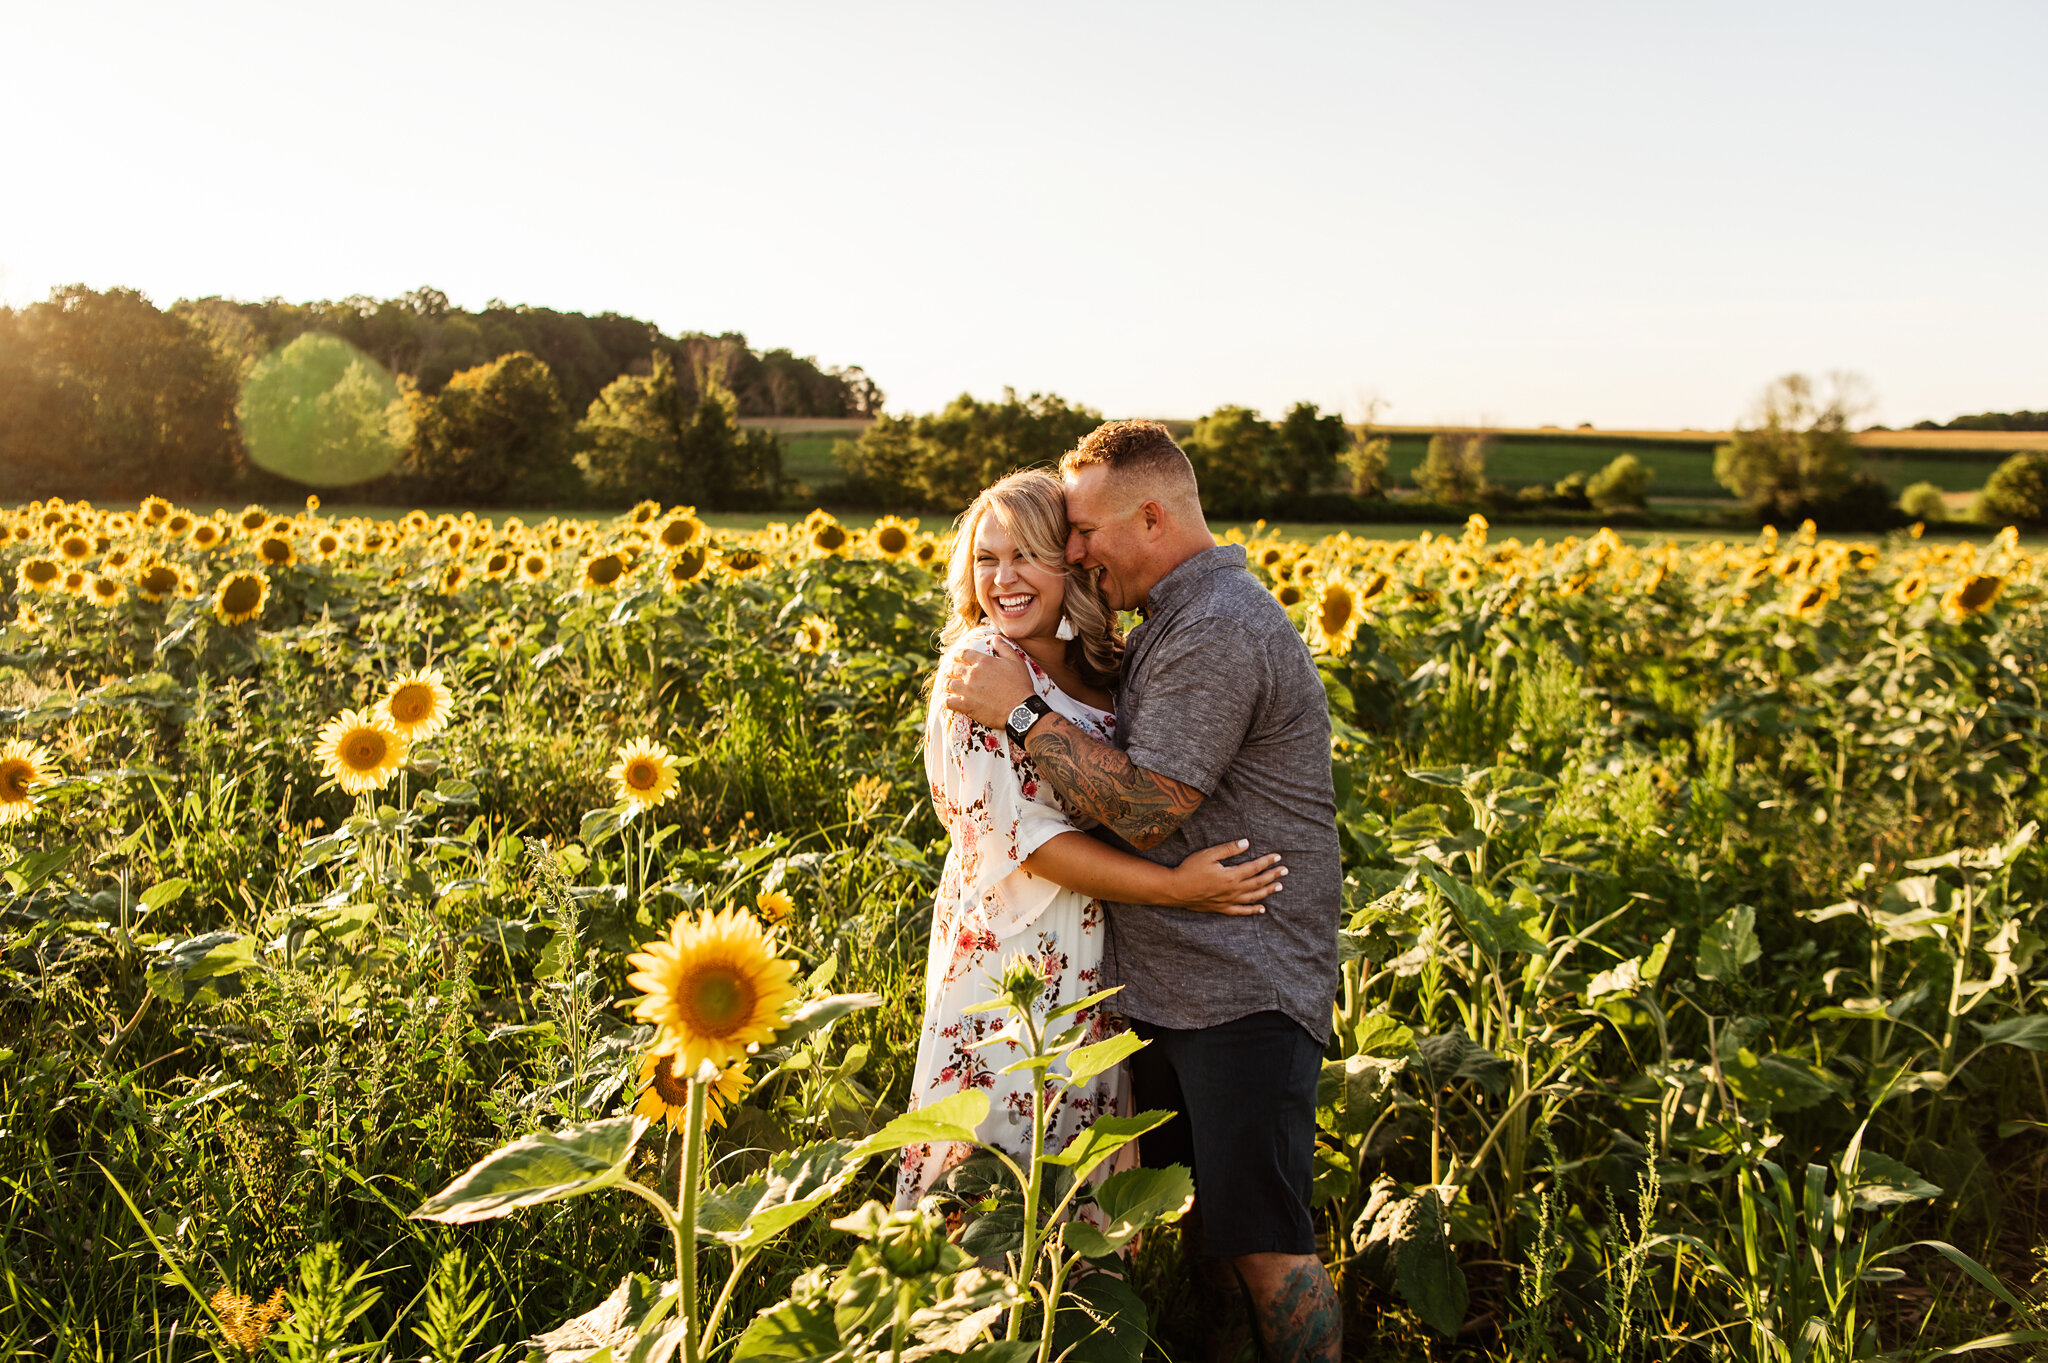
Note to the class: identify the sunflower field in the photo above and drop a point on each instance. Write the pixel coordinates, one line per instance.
(360, 880)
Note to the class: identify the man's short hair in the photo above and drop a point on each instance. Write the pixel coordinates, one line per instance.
(1141, 455)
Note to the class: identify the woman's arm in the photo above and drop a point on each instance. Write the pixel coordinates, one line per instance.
(1202, 882)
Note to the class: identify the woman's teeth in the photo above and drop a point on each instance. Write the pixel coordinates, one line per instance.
(1014, 605)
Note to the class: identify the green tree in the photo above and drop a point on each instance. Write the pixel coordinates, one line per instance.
(1796, 452)
(103, 395)
(1453, 469)
(321, 412)
(942, 460)
(1365, 461)
(1233, 451)
(654, 436)
(1624, 482)
(1306, 447)
(496, 435)
(1923, 502)
(2016, 493)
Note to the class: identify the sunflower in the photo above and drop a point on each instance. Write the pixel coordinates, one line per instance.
(679, 529)
(504, 638)
(1288, 594)
(456, 541)
(326, 546)
(1754, 575)
(814, 634)
(451, 579)
(715, 988)
(37, 574)
(1464, 573)
(360, 750)
(206, 535)
(417, 704)
(155, 510)
(1810, 602)
(240, 597)
(23, 767)
(774, 906)
(498, 565)
(645, 774)
(27, 616)
(927, 553)
(75, 547)
(603, 570)
(685, 566)
(533, 566)
(1972, 596)
(665, 1097)
(116, 561)
(894, 537)
(1375, 587)
(743, 562)
(1333, 622)
(1910, 588)
(417, 520)
(178, 524)
(253, 519)
(825, 536)
(643, 512)
(76, 580)
(276, 551)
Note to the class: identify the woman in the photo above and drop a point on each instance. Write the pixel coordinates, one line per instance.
(1021, 878)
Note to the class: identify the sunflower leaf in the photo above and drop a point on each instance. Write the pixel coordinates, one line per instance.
(750, 1214)
(1104, 1138)
(818, 1013)
(949, 1119)
(543, 1167)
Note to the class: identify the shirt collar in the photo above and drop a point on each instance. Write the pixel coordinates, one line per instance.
(1185, 580)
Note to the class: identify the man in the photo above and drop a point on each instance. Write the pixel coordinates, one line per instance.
(1224, 732)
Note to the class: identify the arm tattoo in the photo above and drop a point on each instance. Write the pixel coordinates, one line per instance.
(1099, 781)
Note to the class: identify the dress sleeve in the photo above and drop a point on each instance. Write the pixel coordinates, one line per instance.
(997, 813)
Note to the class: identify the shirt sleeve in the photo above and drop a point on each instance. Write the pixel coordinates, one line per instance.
(996, 818)
(1202, 690)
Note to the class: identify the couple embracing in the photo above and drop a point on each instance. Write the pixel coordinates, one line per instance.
(1153, 812)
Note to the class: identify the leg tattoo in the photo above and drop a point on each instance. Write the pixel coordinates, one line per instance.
(1300, 1322)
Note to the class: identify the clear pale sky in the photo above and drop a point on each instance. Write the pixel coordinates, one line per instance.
(1634, 214)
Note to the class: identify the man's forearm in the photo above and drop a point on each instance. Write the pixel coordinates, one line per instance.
(1097, 780)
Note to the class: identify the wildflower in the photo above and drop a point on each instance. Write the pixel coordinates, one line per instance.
(240, 597)
(775, 906)
(23, 767)
(37, 574)
(1333, 623)
(715, 988)
(246, 1324)
(645, 774)
(360, 750)
(894, 537)
(417, 704)
(814, 634)
(665, 1096)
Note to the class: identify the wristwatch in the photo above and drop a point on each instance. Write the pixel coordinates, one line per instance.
(1028, 712)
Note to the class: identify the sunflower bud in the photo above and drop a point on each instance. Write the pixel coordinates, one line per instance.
(910, 1243)
(1021, 982)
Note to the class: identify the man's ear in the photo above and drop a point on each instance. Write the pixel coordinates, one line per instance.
(1153, 517)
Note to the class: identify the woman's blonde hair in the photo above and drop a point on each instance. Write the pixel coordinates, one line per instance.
(1032, 506)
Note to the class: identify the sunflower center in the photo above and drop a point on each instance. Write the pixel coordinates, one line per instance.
(715, 1000)
(364, 750)
(42, 570)
(830, 537)
(1336, 611)
(643, 774)
(672, 1090)
(240, 596)
(16, 777)
(605, 571)
(159, 579)
(412, 703)
(892, 540)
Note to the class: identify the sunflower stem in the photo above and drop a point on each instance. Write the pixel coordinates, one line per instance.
(686, 1217)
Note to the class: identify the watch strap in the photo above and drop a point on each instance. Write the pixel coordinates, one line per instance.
(1039, 710)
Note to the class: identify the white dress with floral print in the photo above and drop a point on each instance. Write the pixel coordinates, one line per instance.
(999, 811)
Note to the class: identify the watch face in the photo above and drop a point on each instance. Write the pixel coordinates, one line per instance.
(1020, 719)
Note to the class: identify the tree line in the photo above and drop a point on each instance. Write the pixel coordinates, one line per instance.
(103, 394)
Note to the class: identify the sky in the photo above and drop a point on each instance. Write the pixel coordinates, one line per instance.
(1634, 214)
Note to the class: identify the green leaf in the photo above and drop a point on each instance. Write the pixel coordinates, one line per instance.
(1088, 1061)
(819, 1013)
(955, 1118)
(1130, 1202)
(1067, 1010)
(1100, 1320)
(1498, 928)
(543, 1167)
(1426, 1269)
(2028, 1033)
(1882, 1181)
(750, 1214)
(611, 1327)
(1380, 1035)
(1453, 778)
(1449, 1056)
(995, 1233)
(793, 1330)
(1728, 944)
(1104, 1138)
(29, 873)
(199, 966)
(1352, 1092)
(156, 896)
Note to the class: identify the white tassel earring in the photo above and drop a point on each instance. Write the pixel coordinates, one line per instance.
(1066, 631)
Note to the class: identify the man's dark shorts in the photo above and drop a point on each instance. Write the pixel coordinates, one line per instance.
(1245, 1092)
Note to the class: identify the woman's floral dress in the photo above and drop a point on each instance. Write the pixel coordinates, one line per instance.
(999, 811)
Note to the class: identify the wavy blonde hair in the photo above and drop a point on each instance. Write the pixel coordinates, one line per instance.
(1032, 506)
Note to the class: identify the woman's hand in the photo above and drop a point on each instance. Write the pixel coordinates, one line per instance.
(1203, 884)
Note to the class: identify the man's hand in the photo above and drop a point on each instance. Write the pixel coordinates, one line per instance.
(986, 688)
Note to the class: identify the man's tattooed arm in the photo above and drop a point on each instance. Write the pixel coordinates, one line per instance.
(1098, 780)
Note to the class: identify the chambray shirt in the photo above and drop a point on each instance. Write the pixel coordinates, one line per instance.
(1219, 693)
